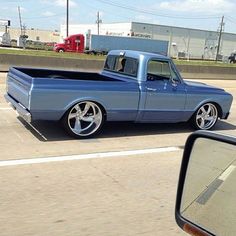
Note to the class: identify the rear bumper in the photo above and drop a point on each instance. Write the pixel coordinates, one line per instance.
(22, 111)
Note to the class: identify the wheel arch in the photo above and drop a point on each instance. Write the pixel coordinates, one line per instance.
(60, 49)
(219, 108)
(70, 105)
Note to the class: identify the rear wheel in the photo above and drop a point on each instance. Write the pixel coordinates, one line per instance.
(61, 50)
(205, 117)
(84, 119)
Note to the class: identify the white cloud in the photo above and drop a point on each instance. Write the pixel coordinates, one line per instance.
(48, 13)
(143, 18)
(22, 9)
(62, 3)
(199, 6)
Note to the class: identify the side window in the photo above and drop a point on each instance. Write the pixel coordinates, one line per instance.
(127, 65)
(158, 70)
(110, 63)
(123, 65)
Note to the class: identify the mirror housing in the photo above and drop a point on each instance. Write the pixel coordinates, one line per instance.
(204, 188)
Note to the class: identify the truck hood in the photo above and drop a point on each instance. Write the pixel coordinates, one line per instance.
(59, 45)
(202, 85)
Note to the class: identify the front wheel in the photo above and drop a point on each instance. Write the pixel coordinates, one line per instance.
(83, 120)
(205, 117)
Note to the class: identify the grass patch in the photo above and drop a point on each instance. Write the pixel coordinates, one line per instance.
(203, 63)
(95, 57)
(43, 53)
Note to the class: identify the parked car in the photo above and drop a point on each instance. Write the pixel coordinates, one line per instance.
(205, 203)
(133, 86)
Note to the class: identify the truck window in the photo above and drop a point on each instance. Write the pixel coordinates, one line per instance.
(123, 65)
(110, 63)
(158, 70)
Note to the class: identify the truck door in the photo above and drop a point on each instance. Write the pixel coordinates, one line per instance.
(68, 45)
(165, 93)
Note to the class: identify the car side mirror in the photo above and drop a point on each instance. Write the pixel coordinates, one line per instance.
(206, 195)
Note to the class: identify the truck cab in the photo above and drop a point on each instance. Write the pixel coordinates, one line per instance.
(73, 43)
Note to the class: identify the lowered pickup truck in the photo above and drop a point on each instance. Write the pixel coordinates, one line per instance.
(133, 86)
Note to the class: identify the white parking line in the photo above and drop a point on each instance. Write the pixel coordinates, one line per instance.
(227, 173)
(5, 108)
(88, 156)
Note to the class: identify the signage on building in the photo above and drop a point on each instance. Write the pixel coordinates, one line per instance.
(140, 35)
(115, 33)
(55, 34)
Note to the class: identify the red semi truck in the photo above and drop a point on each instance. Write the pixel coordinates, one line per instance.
(73, 43)
(102, 44)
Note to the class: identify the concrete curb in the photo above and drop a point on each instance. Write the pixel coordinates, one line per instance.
(9, 60)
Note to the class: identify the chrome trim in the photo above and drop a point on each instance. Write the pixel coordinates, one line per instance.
(22, 111)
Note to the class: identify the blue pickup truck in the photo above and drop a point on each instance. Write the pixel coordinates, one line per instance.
(133, 86)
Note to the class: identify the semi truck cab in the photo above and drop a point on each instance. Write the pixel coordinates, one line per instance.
(73, 43)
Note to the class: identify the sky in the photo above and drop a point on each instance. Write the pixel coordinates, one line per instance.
(50, 14)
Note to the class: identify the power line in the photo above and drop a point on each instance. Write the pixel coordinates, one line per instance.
(107, 11)
(132, 8)
(42, 17)
(231, 19)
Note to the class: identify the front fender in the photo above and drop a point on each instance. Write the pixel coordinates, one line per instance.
(223, 103)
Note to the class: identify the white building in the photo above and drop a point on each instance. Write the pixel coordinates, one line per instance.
(183, 42)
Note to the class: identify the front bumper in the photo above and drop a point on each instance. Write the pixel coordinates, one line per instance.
(21, 110)
(226, 116)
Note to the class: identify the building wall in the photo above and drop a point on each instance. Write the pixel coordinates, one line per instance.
(115, 29)
(34, 34)
(193, 43)
(189, 42)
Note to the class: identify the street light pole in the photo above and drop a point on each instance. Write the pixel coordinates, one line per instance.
(67, 18)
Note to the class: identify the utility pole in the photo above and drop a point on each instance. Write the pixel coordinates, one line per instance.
(23, 35)
(67, 18)
(219, 39)
(20, 20)
(98, 22)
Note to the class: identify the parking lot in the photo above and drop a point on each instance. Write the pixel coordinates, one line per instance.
(123, 182)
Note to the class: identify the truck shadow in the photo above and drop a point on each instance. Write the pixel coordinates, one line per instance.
(47, 131)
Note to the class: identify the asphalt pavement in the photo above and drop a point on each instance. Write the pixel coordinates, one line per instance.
(123, 182)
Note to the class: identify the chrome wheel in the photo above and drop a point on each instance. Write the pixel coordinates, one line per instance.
(206, 116)
(84, 119)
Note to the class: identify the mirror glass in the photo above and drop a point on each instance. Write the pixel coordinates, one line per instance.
(209, 194)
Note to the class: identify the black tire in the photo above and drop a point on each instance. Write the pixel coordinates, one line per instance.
(61, 50)
(205, 117)
(83, 120)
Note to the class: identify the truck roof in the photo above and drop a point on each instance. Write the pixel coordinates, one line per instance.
(136, 54)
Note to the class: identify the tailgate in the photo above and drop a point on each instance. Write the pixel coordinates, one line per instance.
(19, 86)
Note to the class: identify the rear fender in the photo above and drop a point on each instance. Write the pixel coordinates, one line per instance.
(73, 103)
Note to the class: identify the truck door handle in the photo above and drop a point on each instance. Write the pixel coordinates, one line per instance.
(151, 89)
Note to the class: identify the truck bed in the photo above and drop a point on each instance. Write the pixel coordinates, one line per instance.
(42, 94)
(58, 74)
